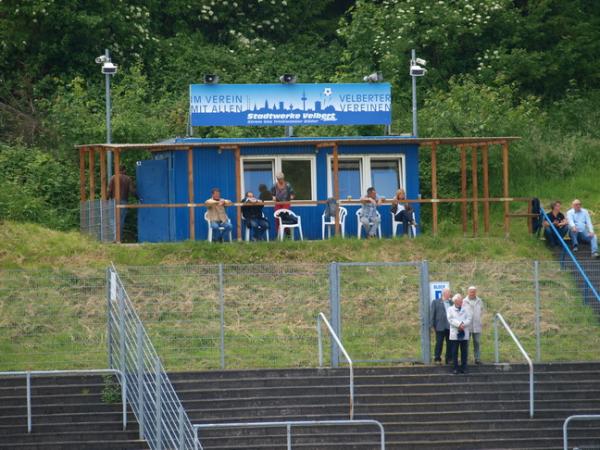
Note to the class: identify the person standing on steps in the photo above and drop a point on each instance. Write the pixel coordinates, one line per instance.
(581, 228)
(440, 325)
(475, 306)
(460, 321)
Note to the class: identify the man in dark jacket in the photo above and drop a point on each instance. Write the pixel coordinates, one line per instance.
(439, 323)
(253, 215)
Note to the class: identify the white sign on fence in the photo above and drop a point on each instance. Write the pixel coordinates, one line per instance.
(436, 288)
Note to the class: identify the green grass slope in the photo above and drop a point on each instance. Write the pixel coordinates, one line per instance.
(53, 306)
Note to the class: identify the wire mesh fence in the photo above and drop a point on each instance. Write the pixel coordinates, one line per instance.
(264, 315)
(231, 316)
(52, 320)
(97, 219)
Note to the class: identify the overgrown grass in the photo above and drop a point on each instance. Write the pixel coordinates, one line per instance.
(53, 313)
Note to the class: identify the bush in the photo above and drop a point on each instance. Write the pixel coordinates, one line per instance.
(37, 187)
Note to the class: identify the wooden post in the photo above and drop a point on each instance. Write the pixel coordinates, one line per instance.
(82, 174)
(434, 193)
(238, 193)
(117, 193)
(463, 184)
(475, 189)
(486, 188)
(192, 211)
(336, 186)
(102, 173)
(505, 193)
(92, 161)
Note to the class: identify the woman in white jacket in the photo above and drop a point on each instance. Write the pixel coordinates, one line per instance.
(459, 319)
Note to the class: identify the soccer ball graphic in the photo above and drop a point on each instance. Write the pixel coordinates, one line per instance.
(327, 92)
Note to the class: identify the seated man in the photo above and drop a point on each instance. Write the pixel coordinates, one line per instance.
(217, 216)
(560, 223)
(581, 228)
(253, 215)
(369, 217)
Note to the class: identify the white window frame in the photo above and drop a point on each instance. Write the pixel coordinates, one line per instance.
(277, 160)
(365, 169)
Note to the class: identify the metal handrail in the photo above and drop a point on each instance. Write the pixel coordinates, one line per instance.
(29, 373)
(290, 424)
(321, 317)
(498, 317)
(572, 418)
(162, 419)
(568, 252)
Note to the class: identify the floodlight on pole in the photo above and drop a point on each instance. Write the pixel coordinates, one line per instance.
(108, 69)
(416, 70)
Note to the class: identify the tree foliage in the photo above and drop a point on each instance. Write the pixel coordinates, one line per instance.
(496, 67)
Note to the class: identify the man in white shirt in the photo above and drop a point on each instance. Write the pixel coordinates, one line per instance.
(475, 306)
(460, 320)
(581, 228)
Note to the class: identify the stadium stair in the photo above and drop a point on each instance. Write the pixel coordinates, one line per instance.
(590, 266)
(421, 407)
(67, 414)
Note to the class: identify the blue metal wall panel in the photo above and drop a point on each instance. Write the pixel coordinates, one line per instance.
(153, 187)
(180, 189)
(213, 169)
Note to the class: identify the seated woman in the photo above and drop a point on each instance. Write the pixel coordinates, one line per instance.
(403, 212)
(253, 215)
(560, 223)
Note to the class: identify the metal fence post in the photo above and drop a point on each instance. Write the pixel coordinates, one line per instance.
(109, 336)
(29, 402)
(158, 378)
(289, 436)
(181, 439)
(424, 313)
(121, 297)
(496, 349)
(222, 314)
(538, 344)
(334, 309)
(140, 374)
(124, 399)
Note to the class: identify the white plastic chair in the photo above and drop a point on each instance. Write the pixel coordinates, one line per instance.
(360, 225)
(412, 228)
(248, 229)
(210, 231)
(342, 212)
(291, 226)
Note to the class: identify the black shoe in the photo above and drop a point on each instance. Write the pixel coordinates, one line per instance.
(595, 255)
(575, 249)
(477, 361)
(465, 371)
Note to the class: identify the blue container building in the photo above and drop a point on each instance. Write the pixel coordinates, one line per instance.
(385, 162)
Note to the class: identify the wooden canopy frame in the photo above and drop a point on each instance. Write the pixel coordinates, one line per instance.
(474, 144)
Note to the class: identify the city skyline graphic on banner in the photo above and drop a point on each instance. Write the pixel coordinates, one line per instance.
(291, 104)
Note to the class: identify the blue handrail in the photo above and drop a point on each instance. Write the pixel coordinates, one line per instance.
(568, 252)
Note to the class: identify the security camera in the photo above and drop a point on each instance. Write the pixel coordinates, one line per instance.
(375, 77)
(288, 78)
(101, 59)
(417, 71)
(109, 68)
(421, 62)
(211, 78)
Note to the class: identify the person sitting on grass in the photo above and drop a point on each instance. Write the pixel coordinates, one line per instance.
(581, 228)
(560, 223)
